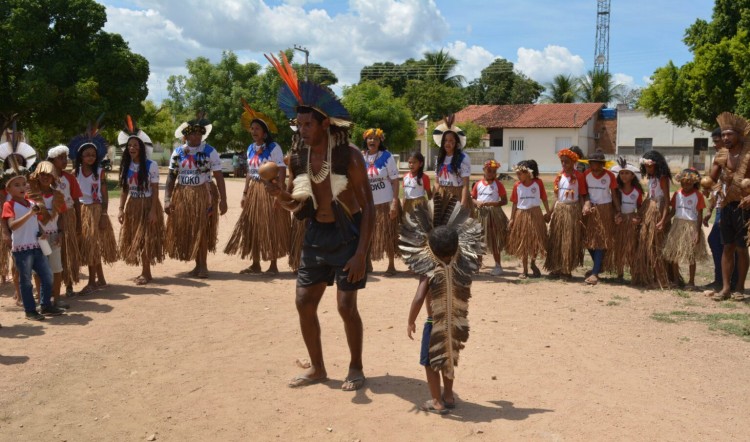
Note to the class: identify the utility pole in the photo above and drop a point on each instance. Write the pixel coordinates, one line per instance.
(601, 49)
(307, 56)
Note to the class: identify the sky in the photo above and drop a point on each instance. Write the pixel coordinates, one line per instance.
(542, 38)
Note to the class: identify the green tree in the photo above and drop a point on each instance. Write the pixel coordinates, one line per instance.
(562, 89)
(718, 77)
(499, 83)
(372, 105)
(433, 99)
(599, 87)
(439, 66)
(59, 70)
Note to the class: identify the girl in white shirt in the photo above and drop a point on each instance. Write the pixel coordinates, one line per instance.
(453, 164)
(417, 190)
(630, 195)
(489, 196)
(685, 242)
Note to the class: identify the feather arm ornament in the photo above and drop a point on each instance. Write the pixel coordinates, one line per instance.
(449, 283)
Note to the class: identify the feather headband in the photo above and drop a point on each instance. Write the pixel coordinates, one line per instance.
(250, 115)
(132, 131)
(376, 132)
(198, 124)
(294, 95)
(522, 168)
(448, 126)
(623, 165)
(568, 153)
(491, 164)
(91, 137)
(690, 175)
(730, 121)
(13, 172)
(57, 151)
(15, 146)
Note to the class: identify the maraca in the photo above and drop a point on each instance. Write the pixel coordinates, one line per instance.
(268, 171)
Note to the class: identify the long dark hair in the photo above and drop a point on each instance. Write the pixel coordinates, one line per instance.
(635, 183)
(456, 160)
(417, 155)
(142, 167)
(661, 168)
(268, 137)
(530, 164)
(79, 158)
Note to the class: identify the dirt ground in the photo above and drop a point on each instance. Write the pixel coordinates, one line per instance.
(186, 359)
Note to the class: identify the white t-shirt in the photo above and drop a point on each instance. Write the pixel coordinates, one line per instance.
(152, 177)
(194, 165)
(570, 188)
(381, 169)
(527, 197)
(485, 192)
(91, 187)
(255, 160)
(449, 178)
(51, 227)
(629, 202)
(655, 191)
(600, 188)
(687, 205)
(68, 186)
(413, 189)
(24, 237)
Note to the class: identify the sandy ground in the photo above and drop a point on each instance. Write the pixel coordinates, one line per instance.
(186, 359)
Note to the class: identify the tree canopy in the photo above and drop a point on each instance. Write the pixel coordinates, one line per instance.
(500, 83)
(718, 77)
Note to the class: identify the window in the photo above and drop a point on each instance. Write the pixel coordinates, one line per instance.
(516, 144)
(643, 145)
(562, 143)
(700, 145)
(496, 137)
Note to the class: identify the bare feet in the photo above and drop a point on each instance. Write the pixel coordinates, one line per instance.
(721, 296)
(535, 271)
(142, 280)
(88, 289)
(255, 268)
(390, 272)
(193, 272)
(354, 380)
(272, 271)
(433, 406)
(202, 273)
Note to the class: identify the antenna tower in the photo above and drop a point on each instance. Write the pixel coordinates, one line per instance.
(601, 50)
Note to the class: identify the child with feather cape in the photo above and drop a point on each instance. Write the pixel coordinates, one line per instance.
(440, 242)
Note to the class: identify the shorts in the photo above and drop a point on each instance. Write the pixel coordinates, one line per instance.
(424, 353)
(55, 260)
(732, 226)
(325, 251)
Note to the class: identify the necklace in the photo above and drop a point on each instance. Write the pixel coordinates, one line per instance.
(325, 168)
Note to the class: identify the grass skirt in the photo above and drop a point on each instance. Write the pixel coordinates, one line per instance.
(194, 221)
(622, 255)
(70, 252)
(565, 241)
(5, 259)
(137, 234)
(295, 246)
(262, 229)
(385, 234)
(600, 226)
(97, 246)
(528, 235)
(495, 225)
(648, 266)
(411, 204)
(680, 246)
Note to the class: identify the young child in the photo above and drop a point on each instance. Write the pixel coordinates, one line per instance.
(685, 241)
(599, 214)
(68, 186)
(97, 242)
(650, 268)
(417, 188)
(527, 236)
(565, 241)
(21, 216)
(630, 195)
(444, 286)
(140, 213)
(489, 196)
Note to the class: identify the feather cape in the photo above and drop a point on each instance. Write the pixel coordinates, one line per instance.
(449, 283)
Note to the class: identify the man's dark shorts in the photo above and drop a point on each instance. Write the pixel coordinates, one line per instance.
(732, 226)
(424, 350)
(325, 251)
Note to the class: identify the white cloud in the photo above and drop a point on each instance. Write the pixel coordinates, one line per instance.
(472, 59)
(624, 79)
(543, 66)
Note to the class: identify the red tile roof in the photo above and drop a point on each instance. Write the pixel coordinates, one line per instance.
(553, 115)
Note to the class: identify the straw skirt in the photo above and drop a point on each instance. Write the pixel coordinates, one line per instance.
(96, 245)
(528, 234)
(565, 240)
(495, 225)
(622, 255)
(137, 234)
(295, 245)
(70, 252)
(600, 224)
(681, 246)
(649, 267)
(194, 221)
(385, 233)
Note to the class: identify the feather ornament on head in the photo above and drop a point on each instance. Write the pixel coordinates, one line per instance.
(734, 122)
(491, 164)
(622, 165)
(132, 131)
(250, 115)
(197, 124)
(13, 172)
(568, 153)
(690, 175)
(374, 132)
(57, 151)
(91, 137)
(448, 126)
(294, 95)
(449, 281)
(14, 146)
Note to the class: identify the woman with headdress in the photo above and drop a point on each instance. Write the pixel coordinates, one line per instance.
(453, 164)
(630, 195)
(650, 268)
(383, 174)
(263, 228)
(97, 242)
(565, 240)
(191, 198)
(140, 212)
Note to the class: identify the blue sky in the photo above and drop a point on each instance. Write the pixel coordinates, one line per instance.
(542, 38)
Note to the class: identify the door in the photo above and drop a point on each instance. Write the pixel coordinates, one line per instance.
(516, 152)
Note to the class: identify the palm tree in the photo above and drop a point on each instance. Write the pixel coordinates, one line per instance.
(599, 87)
(438, 67)
(562, 89)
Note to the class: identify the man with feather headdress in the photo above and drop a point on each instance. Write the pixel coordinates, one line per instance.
(332, 192)
(443, 244)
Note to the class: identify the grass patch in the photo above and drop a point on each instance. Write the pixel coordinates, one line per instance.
(620, 298)
(612, 303)
(691, 304)
(737, 324)
(682, 294)
(731, 305)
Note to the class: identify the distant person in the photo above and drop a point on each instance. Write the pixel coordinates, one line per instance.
(489, 197)
(599, 214)
(417, 189)
(627, 220)
(527, 237)
(453, 168)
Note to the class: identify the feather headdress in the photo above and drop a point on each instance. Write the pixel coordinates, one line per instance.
(730, 121)
(622, 164)
(306, 94)
(132, 131)
(448, 126)
(13, 171)
(376, 132)
(251, 115)
(14, 146)
(450, 282)
(197, 124)
(91, 137)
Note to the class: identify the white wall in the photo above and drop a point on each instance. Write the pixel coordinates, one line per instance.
(539, 145)
(632, 124)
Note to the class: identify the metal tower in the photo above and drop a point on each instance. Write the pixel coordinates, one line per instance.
(601, 50)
